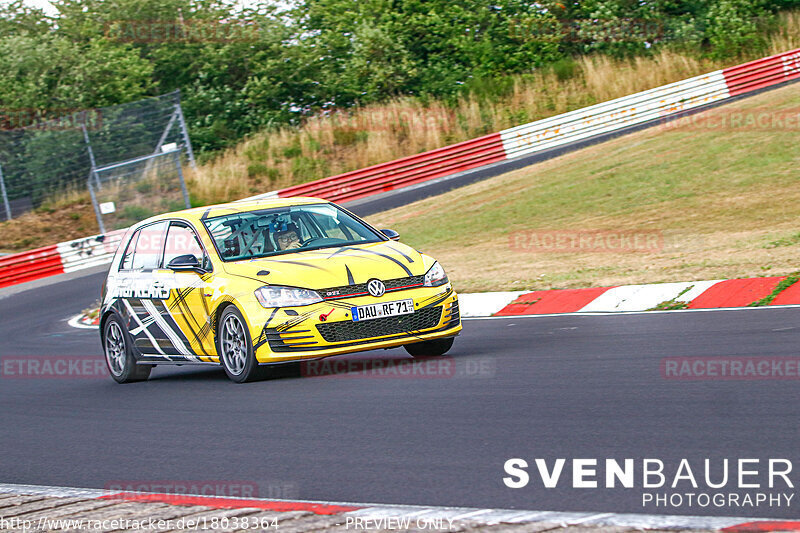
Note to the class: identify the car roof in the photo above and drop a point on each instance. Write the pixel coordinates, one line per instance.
(197, 214)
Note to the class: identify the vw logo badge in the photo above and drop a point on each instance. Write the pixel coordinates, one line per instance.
(376, 287)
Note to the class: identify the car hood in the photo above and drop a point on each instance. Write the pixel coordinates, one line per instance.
(335, 267)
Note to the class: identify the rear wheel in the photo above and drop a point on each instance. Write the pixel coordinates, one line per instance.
(432, 348)
(121, 363)
(236, 348)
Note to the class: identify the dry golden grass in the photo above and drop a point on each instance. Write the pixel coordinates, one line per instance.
(342, 141)
(726, 201)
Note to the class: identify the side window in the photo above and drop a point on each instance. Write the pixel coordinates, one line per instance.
(149, 245)
(182, 241)
(127, 257)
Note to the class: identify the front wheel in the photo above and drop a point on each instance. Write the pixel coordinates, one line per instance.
(121, 363)
(432, 348)
(236, 348)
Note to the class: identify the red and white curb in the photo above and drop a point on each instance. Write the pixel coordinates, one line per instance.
(442, 515)
(694, 295)
(84, 322)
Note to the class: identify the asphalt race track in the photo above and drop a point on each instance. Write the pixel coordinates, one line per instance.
(570, 386)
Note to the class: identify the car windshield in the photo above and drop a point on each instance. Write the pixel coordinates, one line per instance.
(286, 230)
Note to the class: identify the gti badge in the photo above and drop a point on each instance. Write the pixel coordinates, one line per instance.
(376, 287)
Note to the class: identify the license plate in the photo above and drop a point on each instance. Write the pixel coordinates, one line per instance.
(369, 312)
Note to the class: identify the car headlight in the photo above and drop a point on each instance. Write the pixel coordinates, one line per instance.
(273, 296)
(435, 276)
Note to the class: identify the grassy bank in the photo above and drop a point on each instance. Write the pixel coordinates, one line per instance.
(724, 202)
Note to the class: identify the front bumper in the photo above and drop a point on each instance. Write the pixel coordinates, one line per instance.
(327, 328)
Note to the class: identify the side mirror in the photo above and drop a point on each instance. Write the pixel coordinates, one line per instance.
(184, 263)
(392, 234)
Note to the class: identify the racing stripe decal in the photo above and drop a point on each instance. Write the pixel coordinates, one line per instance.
(143, 327)
(197, 330)
(262, 337)
(173, 337)
(350, 280)
(407, 258)
(300, 263)
(373, 252)
(436, 300)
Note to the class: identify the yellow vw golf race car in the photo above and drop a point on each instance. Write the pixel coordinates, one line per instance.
(254, 283)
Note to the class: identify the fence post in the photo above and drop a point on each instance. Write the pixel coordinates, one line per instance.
(166, 130)
(89, 148)
(177, 158)
(5, 196)
(94, 202)
(185, 132)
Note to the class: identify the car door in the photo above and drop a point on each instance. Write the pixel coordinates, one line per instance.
(141, 290)
(188, 306)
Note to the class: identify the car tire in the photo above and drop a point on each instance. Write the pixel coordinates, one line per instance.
(118, 350)
(432, 348)
(235, 348)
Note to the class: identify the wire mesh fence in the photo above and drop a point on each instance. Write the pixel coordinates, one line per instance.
(56, 151)
(126, 192)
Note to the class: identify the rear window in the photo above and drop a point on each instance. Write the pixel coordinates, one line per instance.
(145, 248)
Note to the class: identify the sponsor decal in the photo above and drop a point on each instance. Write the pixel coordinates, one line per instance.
(143, 293)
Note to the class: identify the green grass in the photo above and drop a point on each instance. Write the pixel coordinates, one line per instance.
(714, 195)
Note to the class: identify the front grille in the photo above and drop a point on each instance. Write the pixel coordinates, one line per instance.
(391, 325)
(360, 289)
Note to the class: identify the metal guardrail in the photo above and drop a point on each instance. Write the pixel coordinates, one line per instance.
(615, 115)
